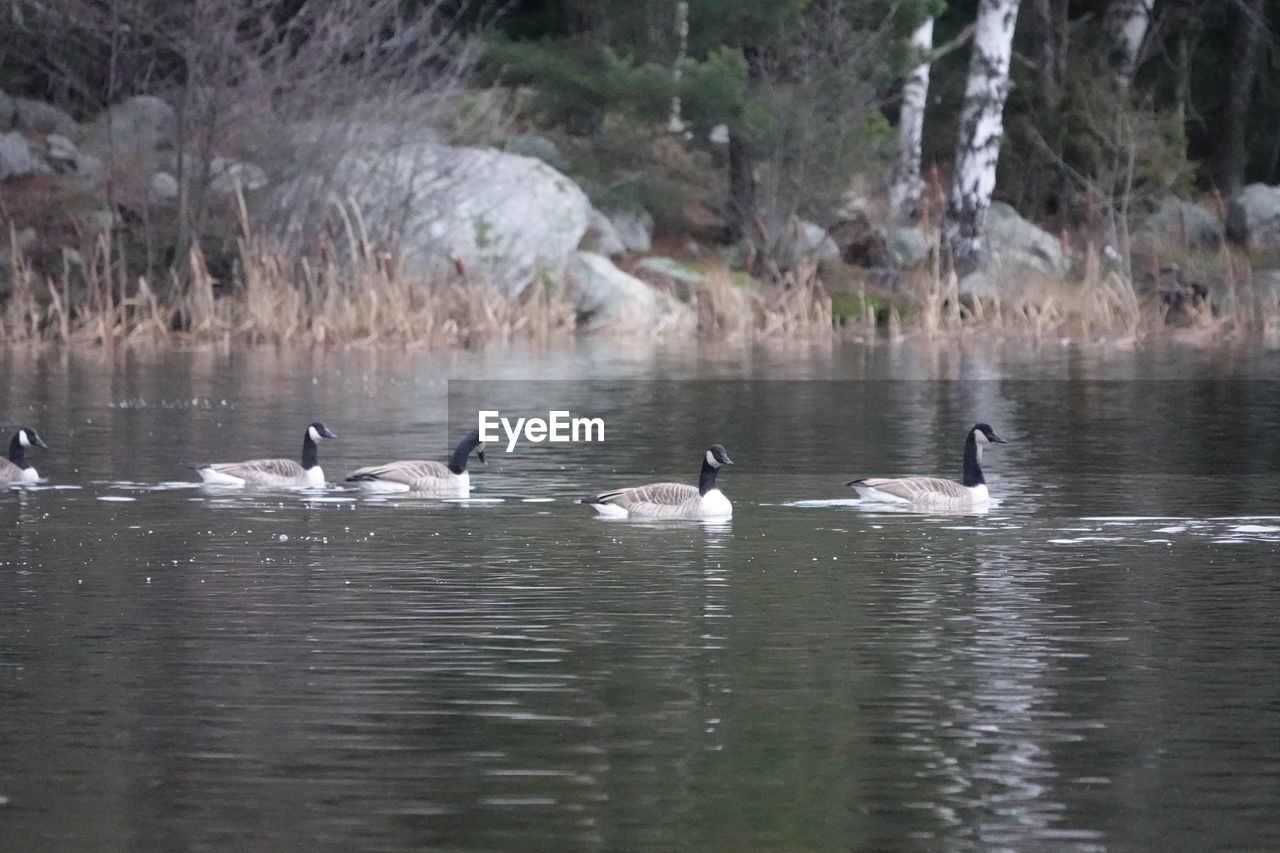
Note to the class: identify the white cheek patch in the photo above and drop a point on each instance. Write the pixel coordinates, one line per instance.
(981, 437)
(711, 460)
(314, 433)
(22, 438)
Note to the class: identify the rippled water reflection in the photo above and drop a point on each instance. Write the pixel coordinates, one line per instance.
(1091, 664)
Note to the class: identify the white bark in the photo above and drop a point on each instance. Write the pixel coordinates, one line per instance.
(907, 185)
(676, 123)
(981, 130)
(1127, 22)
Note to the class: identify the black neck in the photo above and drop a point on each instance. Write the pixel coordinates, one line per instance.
(707, 481)
(458, 461)
(18, 453)
(310, 455)
(972, 470)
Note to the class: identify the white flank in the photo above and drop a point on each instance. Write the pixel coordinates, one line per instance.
(378, 486)
(716, 505)
(216, 478)
(978, 496)
(869, 494)
(609, 510)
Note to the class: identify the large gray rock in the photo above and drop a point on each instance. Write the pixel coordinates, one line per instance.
(634, 229)
(1015, 253)
(227, 175)
(538, 147)
(601, 237)
(1266, 285)
(1180, 224)
(1012, 244)
(607, 299)
(139, 125)
(26, 239)
(1253, 217)
(904, 246)
(163, 187)
(17, 159)
(503, 218)
(669, 273)
(814, 242)
(94, 222)
(34, 116)
(66, 158)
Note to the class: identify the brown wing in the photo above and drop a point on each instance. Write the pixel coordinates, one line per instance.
(656, 500)
(9, 473)
(918, 489)
(262, 470)
(417, 474)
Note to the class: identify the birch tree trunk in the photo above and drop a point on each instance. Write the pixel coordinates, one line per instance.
(907, 185)
(981, 129)
(675, 123)
(1127, 22)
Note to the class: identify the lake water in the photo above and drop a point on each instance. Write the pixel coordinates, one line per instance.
(1092, 664)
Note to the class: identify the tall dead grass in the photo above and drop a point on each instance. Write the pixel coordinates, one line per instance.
(795, 306)
(1104, 305)
(348, 293)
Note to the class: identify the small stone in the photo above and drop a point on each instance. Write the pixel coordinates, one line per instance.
(164, 186)
(17, 159)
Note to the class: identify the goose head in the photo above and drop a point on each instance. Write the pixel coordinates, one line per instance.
(318, 430)
(717, 456)
(28, 437)
(984, 434)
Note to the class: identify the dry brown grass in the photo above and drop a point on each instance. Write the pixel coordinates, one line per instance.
(348, 294)
(1103, 306)
(794, 307)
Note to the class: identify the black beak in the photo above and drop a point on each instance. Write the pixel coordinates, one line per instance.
(39, 442)
(997, 439)
(328, 433)
(726, 460)
(480, 456)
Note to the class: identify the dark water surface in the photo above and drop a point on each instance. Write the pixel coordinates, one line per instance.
(1093, 664)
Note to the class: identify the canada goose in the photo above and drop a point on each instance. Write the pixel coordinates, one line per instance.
(16, 469)
(935, 492)
(433, 479)
(671, 500)
(272, 473)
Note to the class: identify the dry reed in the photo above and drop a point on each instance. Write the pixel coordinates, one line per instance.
(349, 293)
(1103, 306)
(796, 306)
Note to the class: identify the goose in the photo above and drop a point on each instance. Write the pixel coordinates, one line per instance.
(16, 469)
(272, 473)
(935, 492)
(671, 500)
(433, 479)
